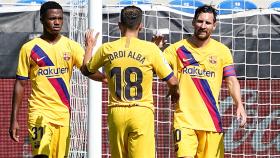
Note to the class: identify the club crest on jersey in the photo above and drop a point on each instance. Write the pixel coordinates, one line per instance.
(66, 56)
(213, 59)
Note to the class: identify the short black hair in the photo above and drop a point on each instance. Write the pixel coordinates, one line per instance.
(131, 17)
(205, 9)
(49, 5)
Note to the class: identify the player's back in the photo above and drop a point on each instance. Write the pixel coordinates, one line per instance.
(129, 65)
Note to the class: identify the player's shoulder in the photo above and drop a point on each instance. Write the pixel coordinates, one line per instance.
(30, 44)
(219, 45)
(135, 41)
(68, 40)
(71, 44)
(147, 44)
(179, 43)
(110, 43)
(223, 52)
(176, 45)
(109, 46)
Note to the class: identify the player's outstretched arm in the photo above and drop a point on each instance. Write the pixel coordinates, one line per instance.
(16, 103)
(158, 37)
(234, 90)
(96, 76)
(90, 43)
(173, 85)
(159, 40)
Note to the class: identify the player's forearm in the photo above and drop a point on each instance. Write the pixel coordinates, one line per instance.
(85, 71)
(234, 90)
(173, 85)
(98, 76)
(88, 54)
(17, 98)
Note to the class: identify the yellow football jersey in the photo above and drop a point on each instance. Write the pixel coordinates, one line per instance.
(129, 64)
(49, 67)
(200, 72)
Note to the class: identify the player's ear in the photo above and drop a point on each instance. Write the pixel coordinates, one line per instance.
(122, 28)
(41, 19)
(140, 27)
(193, 22)
(120, 25)
(214, 25)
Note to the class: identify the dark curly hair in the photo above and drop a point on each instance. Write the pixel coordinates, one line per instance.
(49, 5)
(205, 9)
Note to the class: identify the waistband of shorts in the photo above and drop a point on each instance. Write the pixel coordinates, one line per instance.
(123, 105)
(129, 106)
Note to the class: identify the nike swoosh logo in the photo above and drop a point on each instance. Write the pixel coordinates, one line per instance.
(39, 59)
(184, 59)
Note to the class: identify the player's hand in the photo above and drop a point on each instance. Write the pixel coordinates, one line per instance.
(91, 40)
(105, 80)
(175, 95)
(14, 130)
(241, 115)
(99, 76)
(159, 40)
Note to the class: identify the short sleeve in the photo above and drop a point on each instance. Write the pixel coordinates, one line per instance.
(228, 66)
(78, 54)
(170, 56)
(160, 65)
(23, 64)
(96, 61)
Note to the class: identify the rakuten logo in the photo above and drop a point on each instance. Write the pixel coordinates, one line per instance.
(52, 71)
(196, 71)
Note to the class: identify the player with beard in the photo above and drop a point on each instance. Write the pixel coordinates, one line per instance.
(201, 63)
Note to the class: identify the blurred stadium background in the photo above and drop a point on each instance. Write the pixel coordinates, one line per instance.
(250, 28)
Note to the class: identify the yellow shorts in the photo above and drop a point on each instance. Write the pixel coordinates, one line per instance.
(49, 139)
(198, 144)
(131, 132)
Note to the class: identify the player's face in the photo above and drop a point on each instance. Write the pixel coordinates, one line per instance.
(53, 21)
(204, 26)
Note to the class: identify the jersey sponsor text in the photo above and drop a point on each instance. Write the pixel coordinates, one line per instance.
(52, 71)
(196, 71)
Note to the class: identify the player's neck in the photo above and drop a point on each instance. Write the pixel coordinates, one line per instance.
(131, 33)
(50, 38)
(199, 43)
